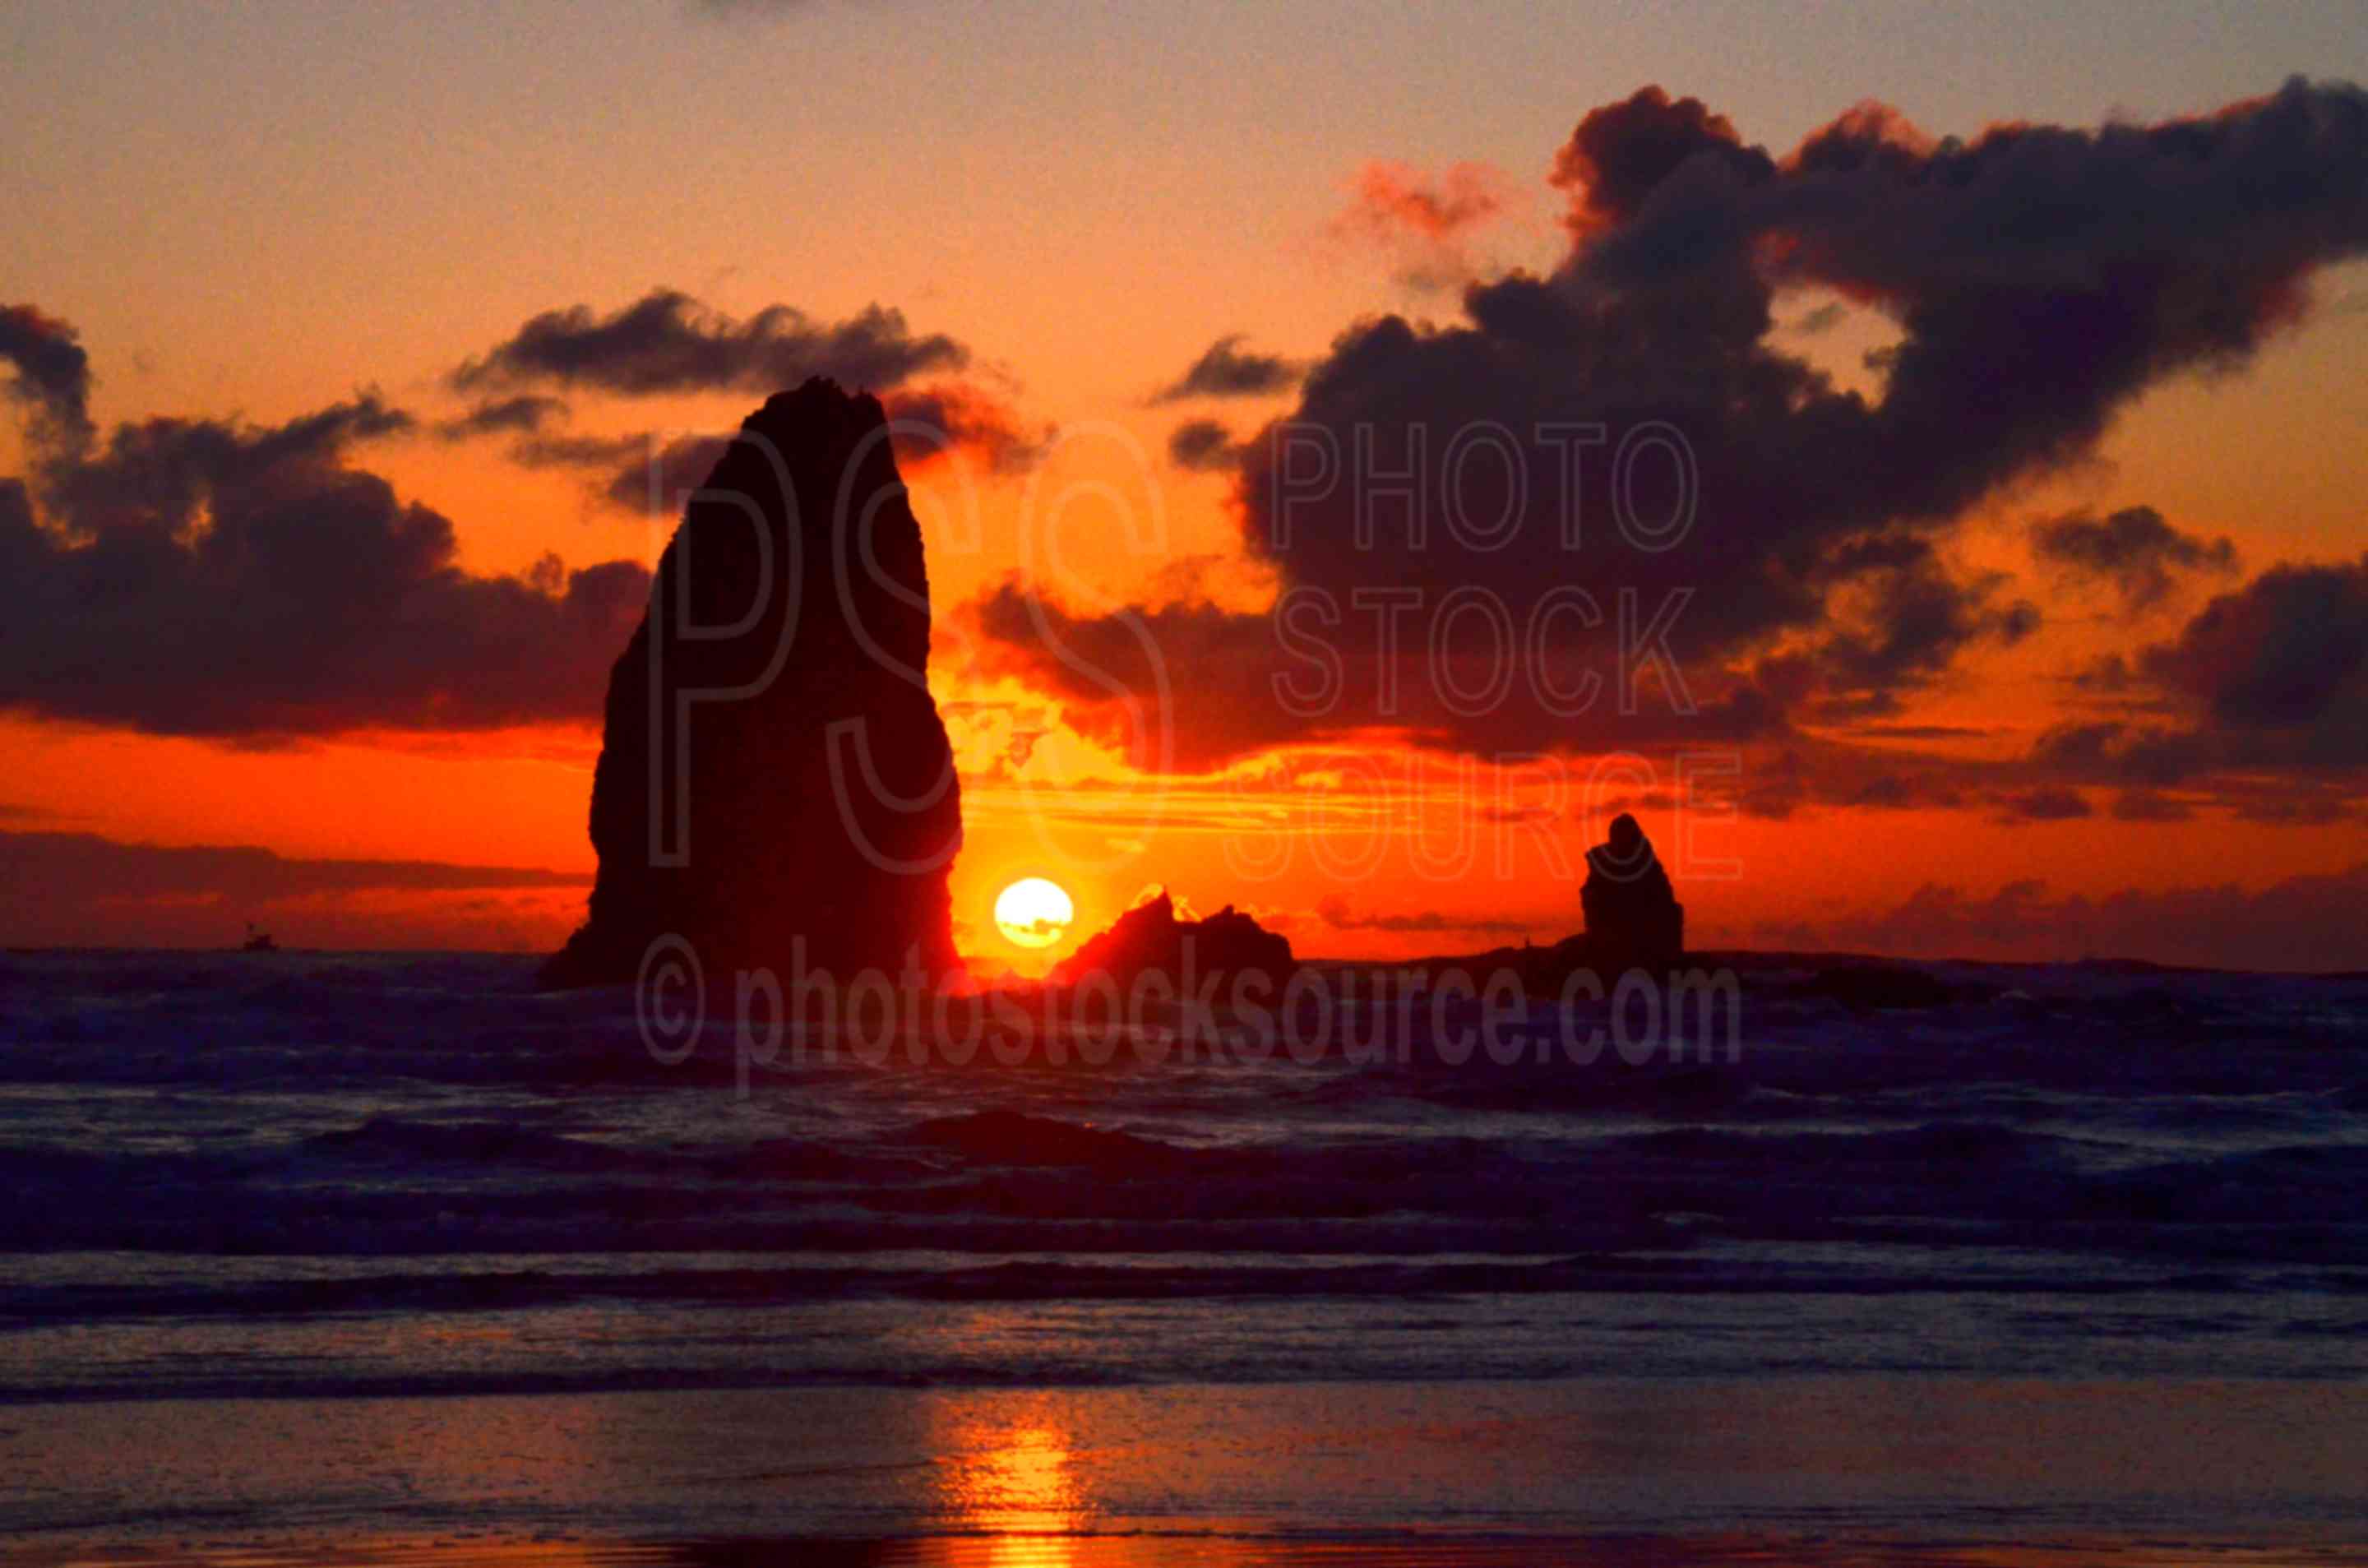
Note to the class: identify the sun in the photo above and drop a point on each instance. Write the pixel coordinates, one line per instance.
(1033, 913)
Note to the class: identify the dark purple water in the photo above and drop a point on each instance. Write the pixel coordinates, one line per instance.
(340, 1175)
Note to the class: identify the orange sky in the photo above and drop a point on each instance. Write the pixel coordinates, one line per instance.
(240, 226)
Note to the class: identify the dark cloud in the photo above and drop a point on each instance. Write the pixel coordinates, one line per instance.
(1203, 446)
(2133, 548)
(2258, 707)
(52, 373)
(668, 342)
(527, 414)
(2039, 278)
(158, 475)
(1623, 153)
(2287, 653)
(200, 578)
(1224, 370)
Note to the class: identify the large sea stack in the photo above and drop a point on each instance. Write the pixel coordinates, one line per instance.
(772, 768)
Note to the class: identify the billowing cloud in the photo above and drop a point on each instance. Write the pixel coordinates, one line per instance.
(2258, 706)
(1632, 428)
(52, 373)
(1621, 154)
(668, 342)
(1225, 370)
(202, 577)
(2133, 549)
(2288, 653)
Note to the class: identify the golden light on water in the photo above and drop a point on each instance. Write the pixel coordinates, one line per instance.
(1033, 913)
(1013, 1485)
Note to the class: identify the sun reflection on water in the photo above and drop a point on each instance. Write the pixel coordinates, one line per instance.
(1015, 1485)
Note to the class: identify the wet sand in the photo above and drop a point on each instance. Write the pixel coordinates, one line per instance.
(1939, 1470)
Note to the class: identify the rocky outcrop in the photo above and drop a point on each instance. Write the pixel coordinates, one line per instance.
(1150, 937)
(774, 784)
(1633, 916)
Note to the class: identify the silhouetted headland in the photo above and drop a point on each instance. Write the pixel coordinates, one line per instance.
(774, 785)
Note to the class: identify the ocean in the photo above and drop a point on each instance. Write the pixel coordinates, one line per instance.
(394, 1247)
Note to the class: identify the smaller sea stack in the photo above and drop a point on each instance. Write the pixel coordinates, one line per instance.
(1633, 919)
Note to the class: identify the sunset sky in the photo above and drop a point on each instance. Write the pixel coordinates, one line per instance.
(2024, 612)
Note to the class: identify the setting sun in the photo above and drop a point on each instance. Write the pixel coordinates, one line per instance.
(1033, 913)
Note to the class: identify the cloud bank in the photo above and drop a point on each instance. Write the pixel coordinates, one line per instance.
(1792, 536)
(208, 577)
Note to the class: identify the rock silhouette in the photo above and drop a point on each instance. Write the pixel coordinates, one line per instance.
(774, 785)
(1633, 916)
(1150, 937)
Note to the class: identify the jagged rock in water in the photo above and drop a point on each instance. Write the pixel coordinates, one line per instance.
(1150, 937)
(1633, 916)
(774, 783)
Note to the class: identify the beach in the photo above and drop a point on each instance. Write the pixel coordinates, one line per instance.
(1608, 1469)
